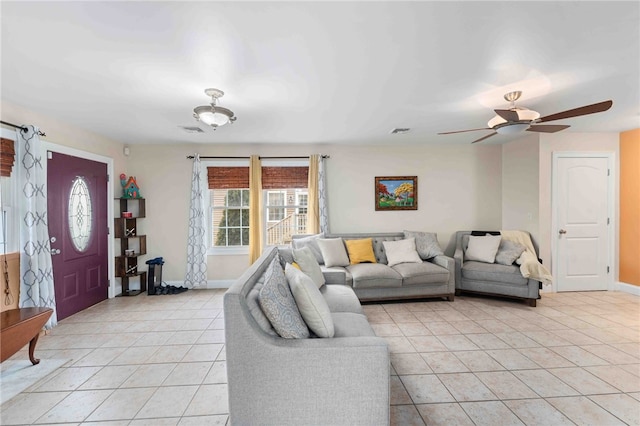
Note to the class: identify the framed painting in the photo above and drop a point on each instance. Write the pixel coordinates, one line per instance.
(396, 193)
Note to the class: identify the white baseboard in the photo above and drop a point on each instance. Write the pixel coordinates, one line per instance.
(210, 284)
(627, 288)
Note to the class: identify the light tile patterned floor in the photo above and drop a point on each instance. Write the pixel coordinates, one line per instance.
(160, 360)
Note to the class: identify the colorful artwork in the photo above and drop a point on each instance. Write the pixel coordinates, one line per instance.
(396, 193)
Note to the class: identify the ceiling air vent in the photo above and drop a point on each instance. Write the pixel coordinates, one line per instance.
(400, 130)
(194, 129)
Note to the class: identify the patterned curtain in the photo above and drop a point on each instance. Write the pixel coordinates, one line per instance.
(323, 210)
(196, 274)
(36, 271)
(255, 208)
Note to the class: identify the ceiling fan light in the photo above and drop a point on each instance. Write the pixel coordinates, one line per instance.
(527, 114)
(512, 128)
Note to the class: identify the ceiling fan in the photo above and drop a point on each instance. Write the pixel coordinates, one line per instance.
(518, 119)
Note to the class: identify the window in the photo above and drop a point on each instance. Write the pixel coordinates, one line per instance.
(230, 217)
(275, 205)
(8, 213)
(228, 184)
(285, 199)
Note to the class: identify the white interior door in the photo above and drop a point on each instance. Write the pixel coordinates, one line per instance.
(582, 223)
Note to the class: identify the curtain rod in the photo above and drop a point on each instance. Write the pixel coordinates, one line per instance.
(191, 157)
(24, 129)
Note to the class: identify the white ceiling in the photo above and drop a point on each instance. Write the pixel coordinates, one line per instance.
(313, 72)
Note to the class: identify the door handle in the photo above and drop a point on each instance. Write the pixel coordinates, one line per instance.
(55, 252)
(562, 231)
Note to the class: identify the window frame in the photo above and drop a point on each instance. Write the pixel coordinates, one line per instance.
(287, 206)
(9, 204)
(211, 249)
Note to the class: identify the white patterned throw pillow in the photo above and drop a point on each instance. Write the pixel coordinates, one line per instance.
(279, 306)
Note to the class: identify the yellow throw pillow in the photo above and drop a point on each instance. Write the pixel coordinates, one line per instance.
(295, 265)
(360, 251)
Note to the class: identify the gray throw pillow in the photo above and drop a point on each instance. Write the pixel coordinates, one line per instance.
(312, 306)
(279, 306)
(508, 252)
(309, 265)
(333, 252)
(311, 242)
(427, 244)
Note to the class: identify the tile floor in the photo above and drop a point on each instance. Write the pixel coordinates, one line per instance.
(160, 360)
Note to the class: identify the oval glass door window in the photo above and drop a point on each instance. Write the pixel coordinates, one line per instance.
(80, 217)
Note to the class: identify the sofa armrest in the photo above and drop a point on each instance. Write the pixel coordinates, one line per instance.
(448, 263)
(335, 277)
(458, 256)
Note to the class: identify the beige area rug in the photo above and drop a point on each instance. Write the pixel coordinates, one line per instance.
(18, 375)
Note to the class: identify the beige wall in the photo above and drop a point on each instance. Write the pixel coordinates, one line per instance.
(520, 169)
(69, 136)
(571, 142)
(459, 187)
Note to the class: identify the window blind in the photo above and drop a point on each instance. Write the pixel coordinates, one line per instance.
(228, 177)
(7, 156)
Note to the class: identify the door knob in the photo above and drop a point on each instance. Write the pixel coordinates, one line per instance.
(55, 252)
(562, 231)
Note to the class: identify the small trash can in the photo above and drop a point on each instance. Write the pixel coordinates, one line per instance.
(154, 276)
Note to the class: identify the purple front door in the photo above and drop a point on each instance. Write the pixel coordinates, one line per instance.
(77, 208)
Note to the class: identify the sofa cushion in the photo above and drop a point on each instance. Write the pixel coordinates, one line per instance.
(508, 252)
(312, 242)
(421, 273)
(309, 265)
(311, 304)
(481, 271)
(341, 298)
(483, 249)
(348, 324)
(374, 275)
(333, 252)
(401, 251)
(427, 244)
(360, 251)
(278, 304)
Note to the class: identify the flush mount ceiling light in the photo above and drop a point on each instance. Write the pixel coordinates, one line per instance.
(213, 115)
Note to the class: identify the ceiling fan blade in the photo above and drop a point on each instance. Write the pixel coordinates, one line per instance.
(485, 137)
(508, 114)
(463, 131)
(576, 112)
(548, 128)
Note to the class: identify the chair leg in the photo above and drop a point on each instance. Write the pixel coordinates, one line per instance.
(450, 298)
(531, 302)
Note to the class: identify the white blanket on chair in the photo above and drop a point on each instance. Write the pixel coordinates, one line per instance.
(530, 267)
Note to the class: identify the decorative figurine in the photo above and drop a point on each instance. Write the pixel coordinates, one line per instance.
(130, 187)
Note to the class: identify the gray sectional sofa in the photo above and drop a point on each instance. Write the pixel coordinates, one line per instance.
(341, 380)
(434, 277)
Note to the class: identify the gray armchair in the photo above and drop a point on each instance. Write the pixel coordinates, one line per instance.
(491, 278)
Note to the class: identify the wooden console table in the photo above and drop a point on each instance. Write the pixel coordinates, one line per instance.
(19, 327)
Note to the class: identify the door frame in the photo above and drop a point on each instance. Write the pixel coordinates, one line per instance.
(610, 156)
(61, 149)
